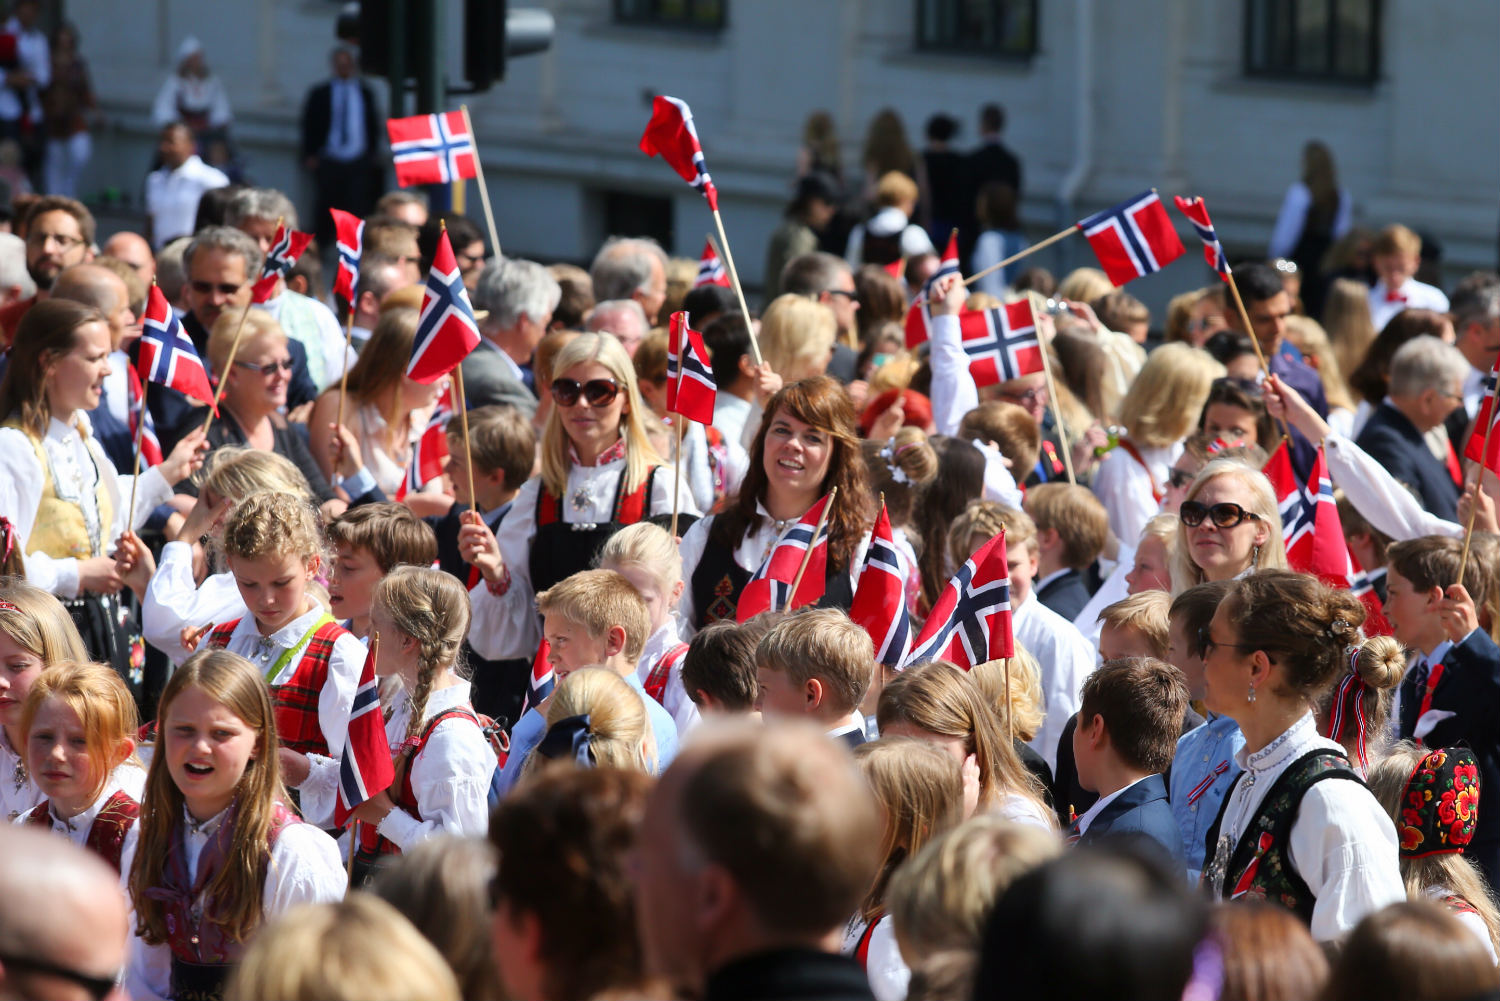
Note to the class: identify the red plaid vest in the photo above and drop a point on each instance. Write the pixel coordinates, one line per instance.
(408, 799)
(656, 681)
(297, 700)
(106, 837)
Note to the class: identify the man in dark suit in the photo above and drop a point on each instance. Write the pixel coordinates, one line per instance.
(1125, 739)
(340, 139)
(1426, 386)
(992, 161)
(519, 297)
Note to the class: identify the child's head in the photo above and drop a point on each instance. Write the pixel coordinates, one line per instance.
(718, 670)
(1137, 626)
(595, 719)
(502, 444)
(1189, 616)
(35, 630)
(981, 521)
(422, 616)
(233, 472)
(275, 547)
(1418, 571)
(80, 723)
(817, 662)
(646, 556)
(1152, 570)
(369, 542)
(1396, 255)
(1025, 710)
(1010, 427)
(900, 467)
(921, 794)
(1071, 524)
(594, 617)
(1129, 717)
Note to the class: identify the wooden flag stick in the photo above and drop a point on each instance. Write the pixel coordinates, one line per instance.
(1463, 561)
(833, 495)
(484, 191)
(677, 473)
(1013, 258)
(1239, 304)
(1062, 429)
(1010, 714)
(734, 276)
(463, 417)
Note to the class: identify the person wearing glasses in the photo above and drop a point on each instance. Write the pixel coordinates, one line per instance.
(59, 234)
(599, 473)
(1298, 827)
(1228, 526)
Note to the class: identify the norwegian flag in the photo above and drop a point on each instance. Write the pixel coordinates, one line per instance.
(670, 134)
(150, 445)
(365, 768)
(1298, 511)
(1133, 239)
(350, 239)
(918, 317)
(710, 268)
(429, 453)
(432, 149)
(880, 597)
(446, 331)
(970, 623)
(542, 680)
(1002, 344)
(1363, 587)
(1474, 447)
(690, 382)
(1213, 251)
(771, 587)
(167, 355)
(286, 247)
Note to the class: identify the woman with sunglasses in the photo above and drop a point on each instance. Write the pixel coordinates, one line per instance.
(68, 506)
(1298, 827)
(1228, 526)
(805, 446)
(385, 410)
(599, 474)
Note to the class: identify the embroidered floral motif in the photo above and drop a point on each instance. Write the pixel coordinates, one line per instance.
(1440, 805)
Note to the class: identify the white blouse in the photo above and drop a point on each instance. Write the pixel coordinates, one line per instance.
(505, 626)
(1124, 487)
(451, 777)
(131, 779)
(1066, 658)
(1379, 496)
(1342, 844)
(335, 702)
(305, 869)
(889, 975)
(675, 698)
(17, 792)
(78, 463)
(1468, 919)
(174, 601)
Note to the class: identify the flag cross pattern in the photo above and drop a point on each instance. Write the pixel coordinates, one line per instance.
(1133, 238)
(432, 149)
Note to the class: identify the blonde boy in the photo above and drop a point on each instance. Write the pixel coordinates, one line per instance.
(1396, 255)
(1138, 626)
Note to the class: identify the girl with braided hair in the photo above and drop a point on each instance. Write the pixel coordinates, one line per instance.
(443, 761)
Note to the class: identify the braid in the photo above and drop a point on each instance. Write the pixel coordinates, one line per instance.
(419, 697)
(432, 608)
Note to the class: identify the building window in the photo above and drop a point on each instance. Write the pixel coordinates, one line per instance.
(700, 15)
(1337, 41)
(982, 27)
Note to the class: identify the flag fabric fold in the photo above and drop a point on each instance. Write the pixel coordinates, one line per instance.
(690, 381)
(771, 587)
(971, 621)
(429, 453)
(1213, 250)
(446, 331)
(365, 769)
(672, 136)
(542, 680)
(286, 247)
(432, 149)
(1132, 239)
(167, 356)
(879, 605)
(918, 316)
(710, 268)
(349, 237)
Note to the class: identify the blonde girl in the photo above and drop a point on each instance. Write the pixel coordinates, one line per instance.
(1228, 526)
(80, 724)
(797, 336)
(220, 853)
(596, 720)
(922, 795)
(648, 558)
(443, 761)
(35, 631)
(274, 548)
(190, 589)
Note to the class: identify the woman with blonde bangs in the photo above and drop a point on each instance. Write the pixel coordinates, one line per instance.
(385, 410)
(797, 336)
(1228, 526)
(599, 474)
(595, 720)
(1158, 412)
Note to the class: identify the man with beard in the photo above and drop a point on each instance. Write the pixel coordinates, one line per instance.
(59, 234)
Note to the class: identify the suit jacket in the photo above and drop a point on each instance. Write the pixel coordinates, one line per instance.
(1069, 798)
(317, 120)
(1140, 811)
(789, 975)
(994, 162)
(1394, 441)
(489, 379)
(1065, 595)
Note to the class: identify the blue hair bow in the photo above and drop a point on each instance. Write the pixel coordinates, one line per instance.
(568, 737)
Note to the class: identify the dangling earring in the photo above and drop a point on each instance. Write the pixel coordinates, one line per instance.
(1251, 696)
(1255, 562)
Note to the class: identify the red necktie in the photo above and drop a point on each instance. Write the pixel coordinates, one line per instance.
(1455, 469)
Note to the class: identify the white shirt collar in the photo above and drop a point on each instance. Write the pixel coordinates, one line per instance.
(1037, 585)
(1092, 813)
(660, 642)
(854, 721)
(1292, 744)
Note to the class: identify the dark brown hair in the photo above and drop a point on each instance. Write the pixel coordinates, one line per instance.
(1013, 430)
(1372, 376)
(720, 661)
(1413, 949)
(389, 532)
(1195, 607)
(1300, 623)
(1433, 561)
(1142, 701)
(1268, 954)
(47, 331)
(960, 479)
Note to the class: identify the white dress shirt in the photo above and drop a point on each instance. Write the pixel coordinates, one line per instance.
(730, 413)
(346, 121)
(675, 697)
(172, 197)
(1065, 657)
(1417, 295)
(174, 601)
(451, 777)
(129, 778)
(1123, 486)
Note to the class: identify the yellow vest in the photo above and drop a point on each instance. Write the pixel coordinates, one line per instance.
(60, 530)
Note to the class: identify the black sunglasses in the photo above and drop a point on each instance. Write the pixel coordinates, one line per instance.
(98, 988)
(270, 368)
(208, 288)
(1223, 514)
(597, 392)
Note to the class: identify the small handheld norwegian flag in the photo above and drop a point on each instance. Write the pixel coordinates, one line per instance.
(918, 317)
(880, 597)
(432, 149)
(286, 247)
(365, 769)
(1213, 250)
(1002, 343)
(446, 331)
(1483, 445)
(671, 135)
(771, 587)
(429, 453)
(971, 621)
(167, 355)
(1133, 239)
(350, 239)
(710, 268)
(690, 382)
(542, 680)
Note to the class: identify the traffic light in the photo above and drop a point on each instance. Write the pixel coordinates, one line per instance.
(491, 33)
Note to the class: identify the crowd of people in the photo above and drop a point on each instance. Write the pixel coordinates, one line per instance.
(1203, 773)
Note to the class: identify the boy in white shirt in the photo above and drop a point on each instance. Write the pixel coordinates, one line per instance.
(1396, 256)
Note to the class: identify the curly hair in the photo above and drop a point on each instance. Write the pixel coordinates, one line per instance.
(275, 524)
